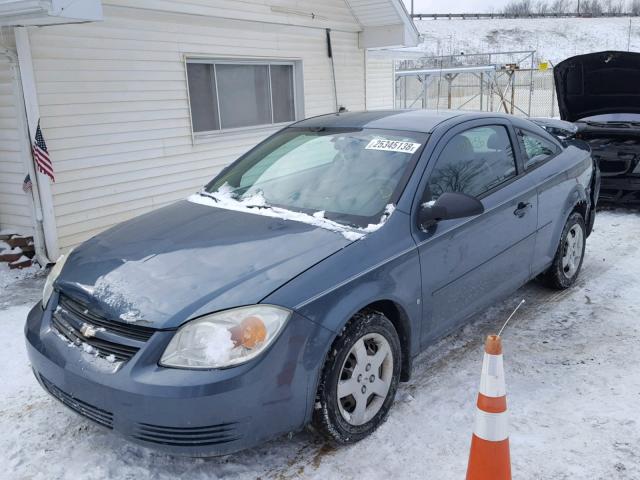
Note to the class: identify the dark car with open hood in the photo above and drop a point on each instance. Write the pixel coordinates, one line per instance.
(298, 285)
(600, 93)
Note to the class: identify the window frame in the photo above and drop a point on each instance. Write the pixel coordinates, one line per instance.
(444, 141)
(523, 152)
(298, 96)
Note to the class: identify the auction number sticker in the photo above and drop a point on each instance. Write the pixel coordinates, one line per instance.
(393, 146)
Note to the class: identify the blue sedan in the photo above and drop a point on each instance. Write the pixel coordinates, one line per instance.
(298, 285)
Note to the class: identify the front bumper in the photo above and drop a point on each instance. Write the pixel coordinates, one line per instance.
(185, 412)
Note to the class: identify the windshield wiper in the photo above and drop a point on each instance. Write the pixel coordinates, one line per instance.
(208, 195)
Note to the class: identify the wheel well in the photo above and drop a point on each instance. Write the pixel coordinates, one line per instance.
(583, 209)
(400, 320)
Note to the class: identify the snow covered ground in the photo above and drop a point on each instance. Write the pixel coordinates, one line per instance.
(554, 39)
(573, 381)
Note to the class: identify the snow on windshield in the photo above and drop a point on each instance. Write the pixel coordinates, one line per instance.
(257, 205)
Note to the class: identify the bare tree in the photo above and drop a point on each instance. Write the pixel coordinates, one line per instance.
(560, 6)
(591, 7)
(519, 7)
(615, 7)
(542, 7)
(634, 7)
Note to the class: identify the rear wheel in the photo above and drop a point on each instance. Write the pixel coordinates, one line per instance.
(567, 262)
(359, 379)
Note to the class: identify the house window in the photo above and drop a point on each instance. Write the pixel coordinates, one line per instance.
(228, 95)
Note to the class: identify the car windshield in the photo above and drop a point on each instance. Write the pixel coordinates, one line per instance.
(350, 175)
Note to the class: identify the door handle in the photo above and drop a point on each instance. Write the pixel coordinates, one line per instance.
(522, 209)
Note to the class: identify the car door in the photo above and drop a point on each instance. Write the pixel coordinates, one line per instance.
(466, 264)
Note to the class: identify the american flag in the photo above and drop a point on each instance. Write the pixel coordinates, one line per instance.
(41, 155)
(27, 185)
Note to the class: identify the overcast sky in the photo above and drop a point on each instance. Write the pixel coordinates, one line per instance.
(457, 6)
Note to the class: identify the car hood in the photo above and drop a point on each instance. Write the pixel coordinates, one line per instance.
(598, 83)
(186, 260)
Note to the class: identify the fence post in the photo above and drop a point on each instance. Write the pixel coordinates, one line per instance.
(553, 95)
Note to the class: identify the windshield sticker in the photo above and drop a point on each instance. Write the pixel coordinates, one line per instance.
(393, 146)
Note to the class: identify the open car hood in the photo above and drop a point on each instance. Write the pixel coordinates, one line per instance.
(598, 83)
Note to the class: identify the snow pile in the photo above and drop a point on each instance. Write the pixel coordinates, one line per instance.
(553, 39)
(8, 276)
(257, 205)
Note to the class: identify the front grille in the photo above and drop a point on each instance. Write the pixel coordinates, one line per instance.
(96, 414)
(188, 436)
(103, 348)
(115, 341)
(135, 332)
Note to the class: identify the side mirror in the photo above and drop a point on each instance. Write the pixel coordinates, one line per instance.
(449, 206)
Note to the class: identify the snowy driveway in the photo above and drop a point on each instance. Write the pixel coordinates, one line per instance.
(573, 380)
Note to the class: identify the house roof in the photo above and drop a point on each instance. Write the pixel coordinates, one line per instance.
(378, 13)
(387, 22)
(48, 12)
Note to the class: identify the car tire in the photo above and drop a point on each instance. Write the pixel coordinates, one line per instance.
(567, 262)
(350, 404)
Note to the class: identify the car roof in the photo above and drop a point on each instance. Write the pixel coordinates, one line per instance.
(424, 121)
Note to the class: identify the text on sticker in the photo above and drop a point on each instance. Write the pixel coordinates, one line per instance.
(392, 146)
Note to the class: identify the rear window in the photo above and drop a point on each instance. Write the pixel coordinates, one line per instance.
(536, 149)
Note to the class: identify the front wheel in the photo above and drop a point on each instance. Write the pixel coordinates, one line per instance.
(359, 379)
(567, 262)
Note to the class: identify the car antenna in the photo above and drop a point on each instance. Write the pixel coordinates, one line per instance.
(511, 316)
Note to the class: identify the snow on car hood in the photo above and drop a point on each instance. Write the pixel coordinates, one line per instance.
(188, 259)
(257, 205)
(598, 83)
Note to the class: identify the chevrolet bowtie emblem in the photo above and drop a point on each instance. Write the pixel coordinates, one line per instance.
(88, 331)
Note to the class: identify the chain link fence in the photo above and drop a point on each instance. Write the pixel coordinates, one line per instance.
(477, 84)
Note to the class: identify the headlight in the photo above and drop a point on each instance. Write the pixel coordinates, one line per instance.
(53, 275)
(225, 338)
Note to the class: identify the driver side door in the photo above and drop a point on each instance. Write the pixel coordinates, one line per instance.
(467, 264)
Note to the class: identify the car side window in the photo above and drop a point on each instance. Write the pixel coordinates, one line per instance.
(474, 162)
(536, 149)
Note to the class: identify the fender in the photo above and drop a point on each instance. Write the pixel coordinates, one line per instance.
(343, 310)
(579, 194)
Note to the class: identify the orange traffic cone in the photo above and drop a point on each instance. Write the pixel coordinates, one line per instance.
(489, 458)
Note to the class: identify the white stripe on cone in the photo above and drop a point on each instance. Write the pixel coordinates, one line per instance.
(492, 382)
(493, 427)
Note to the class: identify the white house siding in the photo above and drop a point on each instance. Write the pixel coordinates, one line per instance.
(114, 108)
(15, 210)
(380, 83)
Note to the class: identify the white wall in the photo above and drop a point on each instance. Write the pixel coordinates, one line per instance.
(380, 83)
(15, 210)
(113, 98)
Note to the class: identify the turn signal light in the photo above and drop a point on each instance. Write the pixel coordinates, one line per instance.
(250, 333)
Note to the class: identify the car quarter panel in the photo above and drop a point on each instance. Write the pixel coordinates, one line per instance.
(562, 184)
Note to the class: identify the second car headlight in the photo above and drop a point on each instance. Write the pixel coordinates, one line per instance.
(47, 291)
(225, 338)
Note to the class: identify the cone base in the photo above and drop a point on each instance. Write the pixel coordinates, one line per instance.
(489, 460)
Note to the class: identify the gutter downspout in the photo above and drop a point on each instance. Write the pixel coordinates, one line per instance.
(333, 68)
(40, 181)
